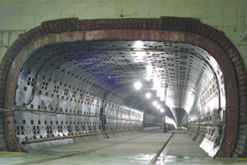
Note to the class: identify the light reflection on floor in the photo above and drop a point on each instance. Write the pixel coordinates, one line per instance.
(125, 150)
(140, 158)
(171, 159)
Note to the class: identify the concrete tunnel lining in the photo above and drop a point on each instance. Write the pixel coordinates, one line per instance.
(53, 77)
(170, 36)
(100, 69)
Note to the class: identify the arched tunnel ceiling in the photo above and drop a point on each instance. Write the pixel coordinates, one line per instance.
(175, 73)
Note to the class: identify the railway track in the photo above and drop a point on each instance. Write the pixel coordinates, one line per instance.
(154, 160)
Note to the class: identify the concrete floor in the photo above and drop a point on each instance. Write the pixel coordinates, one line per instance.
(182, 150)
(128, 148)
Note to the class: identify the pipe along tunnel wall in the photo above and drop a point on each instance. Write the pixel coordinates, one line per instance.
(55, 86)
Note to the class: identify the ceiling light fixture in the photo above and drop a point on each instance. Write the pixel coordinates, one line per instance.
(148, 95)
(138, 85)
(155, 103)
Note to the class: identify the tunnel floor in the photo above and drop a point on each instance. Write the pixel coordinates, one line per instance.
(129, 148)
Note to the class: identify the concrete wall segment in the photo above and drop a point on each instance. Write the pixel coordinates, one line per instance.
(25, 14)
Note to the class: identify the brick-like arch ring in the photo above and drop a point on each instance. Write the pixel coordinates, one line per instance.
(164, 29)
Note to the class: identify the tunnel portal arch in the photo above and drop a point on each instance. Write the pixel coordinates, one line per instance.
(175, 29)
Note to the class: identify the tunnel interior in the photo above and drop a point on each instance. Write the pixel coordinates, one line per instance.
(68, 89)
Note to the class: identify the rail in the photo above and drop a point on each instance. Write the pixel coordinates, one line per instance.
(153, 161)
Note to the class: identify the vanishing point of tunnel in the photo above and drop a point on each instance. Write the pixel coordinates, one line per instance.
(70, 79)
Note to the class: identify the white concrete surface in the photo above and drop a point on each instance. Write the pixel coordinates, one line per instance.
(18, 16)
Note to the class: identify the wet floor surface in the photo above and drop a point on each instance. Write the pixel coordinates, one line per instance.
(137, 150)
(182, 150)
(132, 148)
(177, 160)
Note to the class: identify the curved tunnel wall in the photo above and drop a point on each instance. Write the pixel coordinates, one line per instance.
(57, 97)
(186, 30)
